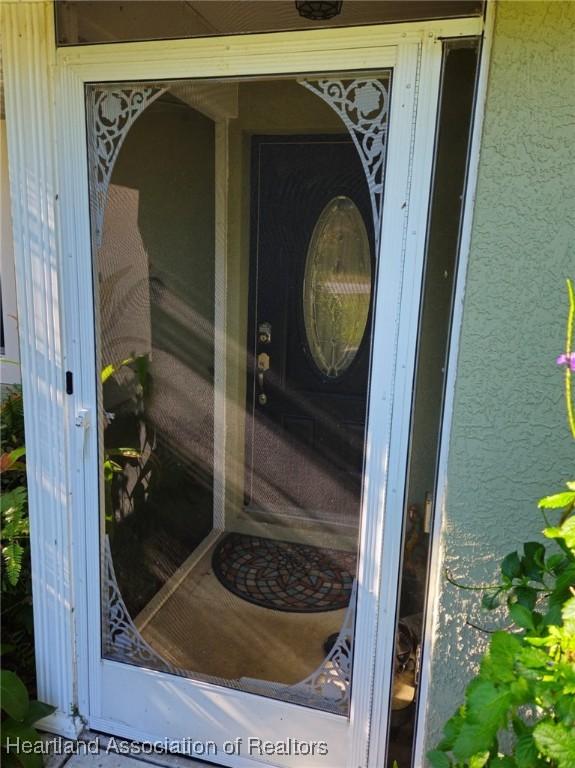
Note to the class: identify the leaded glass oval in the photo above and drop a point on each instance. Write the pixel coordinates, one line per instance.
(337, 286)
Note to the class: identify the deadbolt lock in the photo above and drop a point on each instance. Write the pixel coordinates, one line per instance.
(264, 333)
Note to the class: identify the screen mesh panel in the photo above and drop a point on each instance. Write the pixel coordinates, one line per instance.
(231, 464)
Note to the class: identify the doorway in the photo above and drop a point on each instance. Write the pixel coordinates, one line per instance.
(256, 609)
(77, 669)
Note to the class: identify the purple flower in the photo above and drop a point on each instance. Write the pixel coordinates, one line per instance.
(567, 359)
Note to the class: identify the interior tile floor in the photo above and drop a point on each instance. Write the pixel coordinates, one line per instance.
(205, 628)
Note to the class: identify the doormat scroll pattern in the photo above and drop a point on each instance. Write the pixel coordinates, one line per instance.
(284, 576)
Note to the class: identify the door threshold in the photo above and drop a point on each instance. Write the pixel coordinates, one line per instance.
(318, 533)
(95, 749)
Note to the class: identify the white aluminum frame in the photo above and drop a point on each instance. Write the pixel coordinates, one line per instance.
(436, 574)
(49, 190)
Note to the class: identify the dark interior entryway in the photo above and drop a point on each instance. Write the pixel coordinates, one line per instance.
(311, 277)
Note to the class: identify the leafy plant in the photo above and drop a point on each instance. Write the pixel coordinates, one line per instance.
(17, 624)
(19, 718)
(15, 530)
(525, 687)
(116, 457)
(19, 712)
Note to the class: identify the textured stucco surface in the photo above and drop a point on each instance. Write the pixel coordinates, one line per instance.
(509, 443)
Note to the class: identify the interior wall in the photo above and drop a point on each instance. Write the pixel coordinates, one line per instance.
(509, 441)
(164, 180)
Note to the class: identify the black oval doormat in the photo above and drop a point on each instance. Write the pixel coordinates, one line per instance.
(284, 576)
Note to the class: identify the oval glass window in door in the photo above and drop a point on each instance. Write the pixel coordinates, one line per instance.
(337, 286)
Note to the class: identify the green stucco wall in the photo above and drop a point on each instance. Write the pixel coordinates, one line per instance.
(509, 441)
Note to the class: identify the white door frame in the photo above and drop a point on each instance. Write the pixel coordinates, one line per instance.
(46, 134)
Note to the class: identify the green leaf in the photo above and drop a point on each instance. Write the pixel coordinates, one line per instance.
(535, 550)
(556, 563)
(556, 741)
(526, 752)
(472, 739)
(17, 453)
(13, 730)
(451, 732)
(526, 596)
(553, 615)
(521, 692)
(113, 368)
(532, 658)
(438, 759)
(562, 590)
(557, 500)
(129, 453)
(12, 554)
(490, 599)
(500, 660)
(13, 695)
(14, 499)
(487, 707)
(569, 610)
(522, 616)
(511, 566)
(36, 711)
(478, 761)
(568, 532)
(532, 563)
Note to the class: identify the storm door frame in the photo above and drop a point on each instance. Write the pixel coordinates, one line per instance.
(49, 193)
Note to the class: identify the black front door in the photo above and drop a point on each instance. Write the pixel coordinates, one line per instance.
(311, 277)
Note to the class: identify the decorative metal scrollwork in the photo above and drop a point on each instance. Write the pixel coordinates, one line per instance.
(112, 112)
(328, 686)
(120, 638)
(331, 681)
(363, 106)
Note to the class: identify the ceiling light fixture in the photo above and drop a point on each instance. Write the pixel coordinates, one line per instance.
(318, 11)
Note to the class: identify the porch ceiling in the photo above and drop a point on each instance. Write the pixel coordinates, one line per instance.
(98, 21)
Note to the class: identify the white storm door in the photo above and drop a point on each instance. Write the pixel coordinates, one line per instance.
(243, 634)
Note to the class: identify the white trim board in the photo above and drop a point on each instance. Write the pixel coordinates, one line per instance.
(256, 54)
(28, 68)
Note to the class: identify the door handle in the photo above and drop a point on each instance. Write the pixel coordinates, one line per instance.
(263, 365)
(82, 421)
